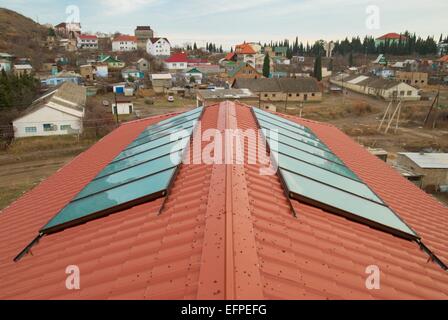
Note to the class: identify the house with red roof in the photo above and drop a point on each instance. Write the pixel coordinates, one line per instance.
(177, 62)
(390, 38)
(87, 41)
(223, 230)
(124, 43)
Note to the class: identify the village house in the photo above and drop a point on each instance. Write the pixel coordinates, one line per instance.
(61, 77)
(59, 111)
(123, 105)
(161, 82)
(112, 63)
(143, 65)
(246, 53)
(143, 34)
(433, 167)
(244, 70)
(132, 73)
(158, 47)
(177, 62)
(68, 30)
(86, 41)
(88, 72)
(390, 38)
(22, 69)
(195, 74)
(282, 89)
(124, 43)
(418, 79)
(378, 87)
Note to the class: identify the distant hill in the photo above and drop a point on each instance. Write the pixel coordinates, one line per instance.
(22, 36)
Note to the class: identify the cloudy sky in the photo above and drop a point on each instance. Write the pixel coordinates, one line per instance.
(227, 22)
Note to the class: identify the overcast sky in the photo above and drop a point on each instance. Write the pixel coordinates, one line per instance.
(228, 22)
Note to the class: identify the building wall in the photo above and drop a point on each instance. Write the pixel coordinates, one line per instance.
(87, 44)
(385, 94)
(290, 97)
(124, 46)
(176, 65)
(123, 108)
(160, 48)
(431, 177)
(160, 86)
(413, 78)
(43, 116)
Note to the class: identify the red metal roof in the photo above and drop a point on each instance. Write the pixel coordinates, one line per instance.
(225, 232)
(178, 57)
(392, 35)
(124, 38)
(443, 59)
(229, 56)
(88, 37)
(244, 48)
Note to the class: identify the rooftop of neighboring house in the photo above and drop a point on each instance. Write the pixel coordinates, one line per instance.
(224, 231)
(443, 59)
(428, 160)
(143, 28)
(230, 56)
(239, 66)
(244, 48)
(23, 67)
(392, 36)
(301, 84)
(227, 94)
(177, 57)
(67, 94)
(125, 38)
(87, 37)
(154, 40)
(161, 76)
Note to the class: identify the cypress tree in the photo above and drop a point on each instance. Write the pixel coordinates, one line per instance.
(318, 68)
(267, 66)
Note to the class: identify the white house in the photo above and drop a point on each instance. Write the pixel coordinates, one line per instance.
(85, 41)
(158, 47)
(124, 105)
(58, 112)
(124, 43)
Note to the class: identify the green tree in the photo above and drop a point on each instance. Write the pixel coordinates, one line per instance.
(267, 66)
(195, 47)
(318, 68)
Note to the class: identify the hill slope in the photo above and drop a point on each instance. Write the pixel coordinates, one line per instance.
(22, 36)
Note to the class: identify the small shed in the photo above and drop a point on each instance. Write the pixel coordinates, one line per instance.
(123, 105)
(432, 166)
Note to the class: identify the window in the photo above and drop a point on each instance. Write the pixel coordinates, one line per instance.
(265, 95)
(49, 127)
(30, 129)
(297, 94)
(401, 93)
(409, 93)
(313, 94)
(290, 95)
(274, 95)
(65, 127)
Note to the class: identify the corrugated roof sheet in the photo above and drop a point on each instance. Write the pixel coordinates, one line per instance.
(225, 232)
(428, 160)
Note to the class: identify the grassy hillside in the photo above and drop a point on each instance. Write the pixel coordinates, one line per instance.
(22, 36)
